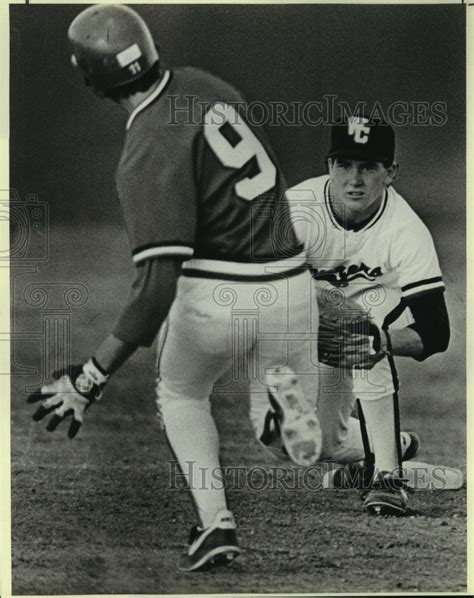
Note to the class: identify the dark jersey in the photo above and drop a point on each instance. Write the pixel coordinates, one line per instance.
(195, 180)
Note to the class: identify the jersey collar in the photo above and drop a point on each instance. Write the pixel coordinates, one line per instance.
(364, 225)
(151, 98)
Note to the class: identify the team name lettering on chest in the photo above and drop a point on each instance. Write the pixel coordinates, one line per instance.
(342, 275)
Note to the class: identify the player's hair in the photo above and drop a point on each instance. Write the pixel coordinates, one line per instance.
(141, 84)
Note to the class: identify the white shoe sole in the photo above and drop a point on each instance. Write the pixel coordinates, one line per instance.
(220, 556)
(300, 429)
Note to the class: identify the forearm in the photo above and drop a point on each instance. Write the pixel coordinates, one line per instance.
(113, 353)
(153, 292)
(152, 295)
(406, 342)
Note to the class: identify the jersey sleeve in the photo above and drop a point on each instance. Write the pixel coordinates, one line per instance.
(157, 192)
(416, 261)
(431, 321)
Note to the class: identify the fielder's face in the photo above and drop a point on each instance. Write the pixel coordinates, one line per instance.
(359, 185)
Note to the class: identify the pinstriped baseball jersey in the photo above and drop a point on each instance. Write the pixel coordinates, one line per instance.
(391, 258)
(199, 182)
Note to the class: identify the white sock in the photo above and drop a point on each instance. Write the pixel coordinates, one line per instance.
(192, 434)
(380, 418)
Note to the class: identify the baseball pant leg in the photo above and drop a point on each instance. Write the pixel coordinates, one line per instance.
(194, 353)
(342, 439)
(286, 336)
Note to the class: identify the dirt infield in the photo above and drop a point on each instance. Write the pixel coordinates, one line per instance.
(97, 514)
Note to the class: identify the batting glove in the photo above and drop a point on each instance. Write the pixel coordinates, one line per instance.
(75, 389)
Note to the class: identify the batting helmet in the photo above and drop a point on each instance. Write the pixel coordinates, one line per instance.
(112, 45)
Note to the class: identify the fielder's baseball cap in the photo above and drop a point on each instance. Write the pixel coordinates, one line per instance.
(360, 138)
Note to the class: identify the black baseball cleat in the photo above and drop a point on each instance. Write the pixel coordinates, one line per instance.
(358, 475)
(297, 422)
(387, 497)
(213, 546)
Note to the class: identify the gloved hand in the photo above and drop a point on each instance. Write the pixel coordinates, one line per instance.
(75, 388)
(348, 337)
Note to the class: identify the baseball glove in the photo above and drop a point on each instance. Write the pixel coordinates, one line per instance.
(348, 338)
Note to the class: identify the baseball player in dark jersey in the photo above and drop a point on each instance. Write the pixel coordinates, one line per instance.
(203, 202)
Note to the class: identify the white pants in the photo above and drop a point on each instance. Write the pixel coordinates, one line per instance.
(342, 439)
(242, 328)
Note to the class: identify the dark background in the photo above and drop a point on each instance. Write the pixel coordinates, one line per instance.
(65, 142)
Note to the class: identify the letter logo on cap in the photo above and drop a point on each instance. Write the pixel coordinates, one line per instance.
(357, 129)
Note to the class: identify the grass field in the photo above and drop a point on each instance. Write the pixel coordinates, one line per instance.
(96, 516)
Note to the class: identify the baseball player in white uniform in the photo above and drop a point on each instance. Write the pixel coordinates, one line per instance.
(203, 203)
(369, 250)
